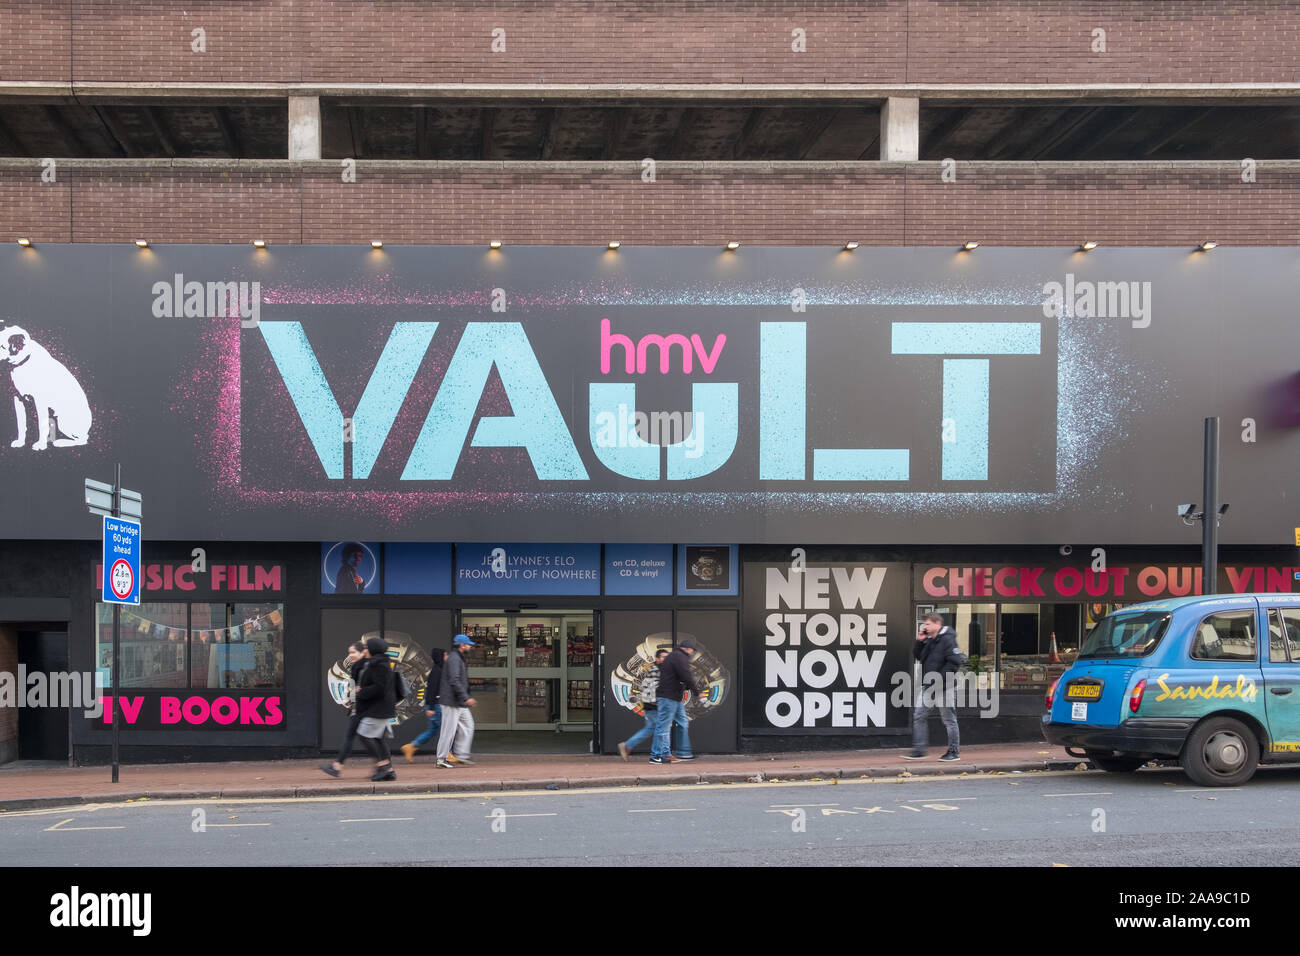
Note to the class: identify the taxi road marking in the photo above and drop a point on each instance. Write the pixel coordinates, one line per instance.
(497, 794)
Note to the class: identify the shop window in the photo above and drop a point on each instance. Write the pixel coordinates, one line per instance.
(152, 645)
(1037, 642)
(228, 645)
(1225, 637)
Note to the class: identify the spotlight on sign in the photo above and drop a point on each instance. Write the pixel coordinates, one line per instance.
(733, 245)
(614, 244)
(1088, 245)
(24, 242)
(850, 245)
(494, 244)
(970, 245)
(142, 243)
(376, 243)
(1209, 244)
(259, 243)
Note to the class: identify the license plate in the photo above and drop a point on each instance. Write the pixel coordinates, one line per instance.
(1079, 711)
(1083, 692)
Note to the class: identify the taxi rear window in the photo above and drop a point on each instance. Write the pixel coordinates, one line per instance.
(1126, 635)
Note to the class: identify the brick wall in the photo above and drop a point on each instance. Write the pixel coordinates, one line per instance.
(650, 41)
(8, 715)
(689, 203)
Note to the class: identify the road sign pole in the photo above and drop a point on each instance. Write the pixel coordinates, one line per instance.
(117, 638)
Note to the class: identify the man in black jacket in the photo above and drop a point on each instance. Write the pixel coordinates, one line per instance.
(674, 680)
(457, 736)
(936, 649)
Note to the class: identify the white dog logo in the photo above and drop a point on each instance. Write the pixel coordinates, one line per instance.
(39, 376)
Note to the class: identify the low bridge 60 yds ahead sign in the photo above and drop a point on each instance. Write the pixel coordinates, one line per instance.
(121, 584)
(768, 395)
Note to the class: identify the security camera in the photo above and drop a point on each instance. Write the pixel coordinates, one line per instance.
(1185, 511)
(1066, 550)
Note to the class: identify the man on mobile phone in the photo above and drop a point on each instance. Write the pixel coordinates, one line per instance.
(936, 649)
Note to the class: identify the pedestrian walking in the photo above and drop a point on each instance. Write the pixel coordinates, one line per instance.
(377, 707)
(431, 709)
(456, 740)
(647, 696)
(936, 649)
(675, 681)
(356, 660)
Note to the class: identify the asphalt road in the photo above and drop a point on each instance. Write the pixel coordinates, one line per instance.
(1152, 818)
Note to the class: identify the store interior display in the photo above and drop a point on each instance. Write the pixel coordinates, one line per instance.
(548, 662)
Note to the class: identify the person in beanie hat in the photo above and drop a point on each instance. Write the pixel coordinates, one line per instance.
(376, 707)
(674, 681)
(457, 736)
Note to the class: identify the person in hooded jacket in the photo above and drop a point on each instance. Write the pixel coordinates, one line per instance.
(431, 709)
(936, 649)
(376, 706)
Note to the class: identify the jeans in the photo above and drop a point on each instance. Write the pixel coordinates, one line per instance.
(646, 732)
(921, 726)
(435, 724)
(671, 712)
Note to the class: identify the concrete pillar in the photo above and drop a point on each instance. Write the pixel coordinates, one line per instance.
(8, 715)
(304, 127)
(900, 129)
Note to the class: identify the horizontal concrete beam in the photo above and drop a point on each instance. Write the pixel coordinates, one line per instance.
(653, 92)
(10, 166)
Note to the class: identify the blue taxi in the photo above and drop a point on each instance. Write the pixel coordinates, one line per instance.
(1186, 678)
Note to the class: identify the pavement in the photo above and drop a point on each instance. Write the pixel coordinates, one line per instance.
(23, 787)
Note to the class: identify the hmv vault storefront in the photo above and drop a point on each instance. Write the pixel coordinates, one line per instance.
(577, 456)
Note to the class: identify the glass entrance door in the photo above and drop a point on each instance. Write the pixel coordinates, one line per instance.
(531, 670)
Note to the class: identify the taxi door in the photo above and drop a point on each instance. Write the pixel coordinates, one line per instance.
(1281, 669)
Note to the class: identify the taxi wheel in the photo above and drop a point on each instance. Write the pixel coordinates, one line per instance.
(1113, 763)
(1221, 752)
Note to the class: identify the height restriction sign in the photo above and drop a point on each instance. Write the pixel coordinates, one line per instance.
(121, 561)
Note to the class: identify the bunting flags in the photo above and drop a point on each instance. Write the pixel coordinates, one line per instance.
(234, 634)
